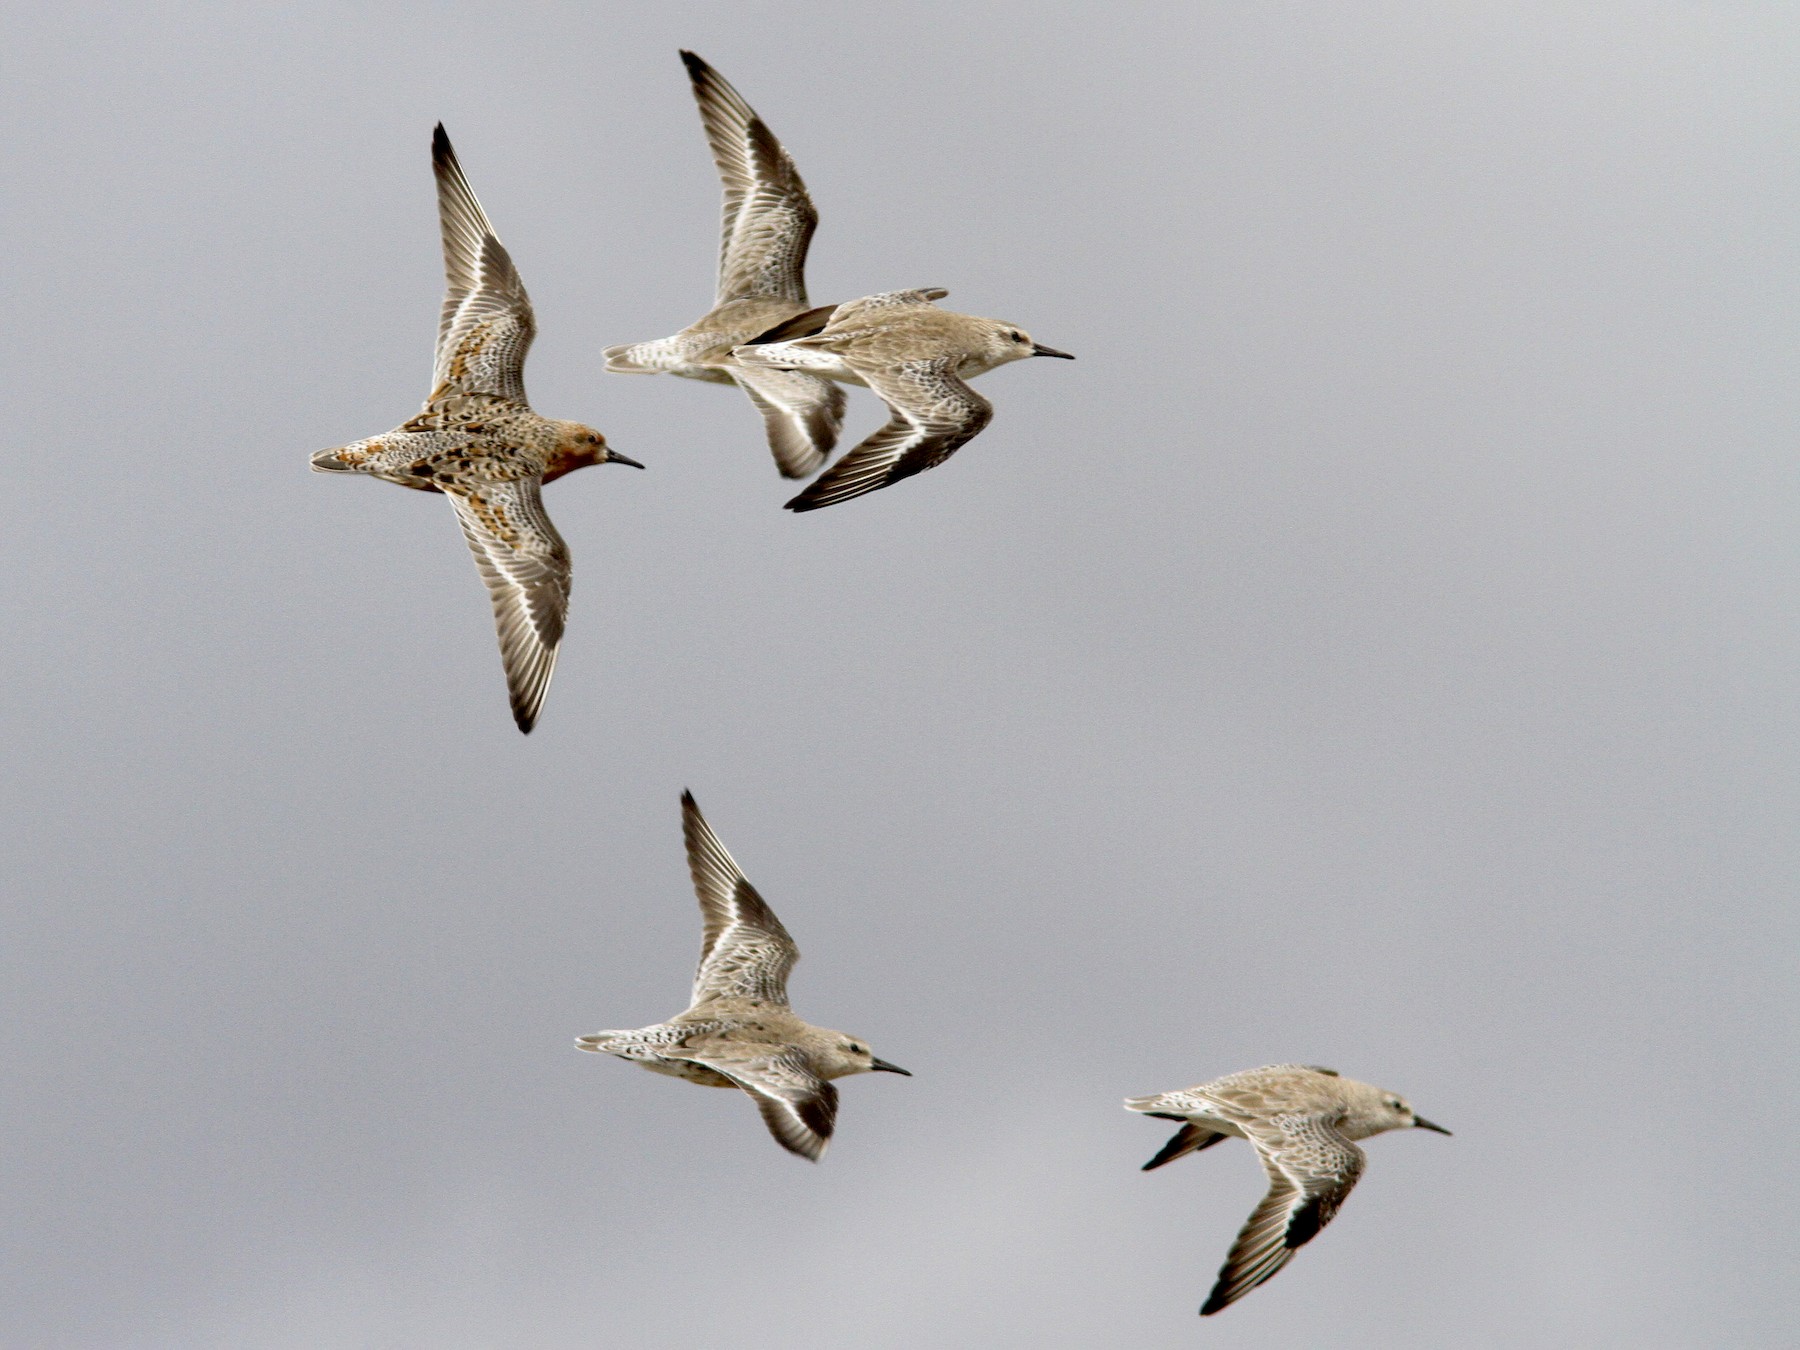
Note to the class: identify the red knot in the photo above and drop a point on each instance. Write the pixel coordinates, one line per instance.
(738, 1030)
(1303, 1122)
(916, 357)
(478, 442)
(767, 224)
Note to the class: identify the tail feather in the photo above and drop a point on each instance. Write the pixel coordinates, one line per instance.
(333, 461)
(1153, 1105)
(641, 358)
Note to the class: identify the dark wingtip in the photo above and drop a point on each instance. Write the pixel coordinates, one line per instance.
(1214, 1301)
(1304, 1226)
(697, 69)
(687, 800)
(440, 144)
(1180, 1144)
(1166, 1155)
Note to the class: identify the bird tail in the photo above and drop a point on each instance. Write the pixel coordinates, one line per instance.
(339, 459)
(642, 358)
(1155, 1105)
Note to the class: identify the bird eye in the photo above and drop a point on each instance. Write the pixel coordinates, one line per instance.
(1016, 335)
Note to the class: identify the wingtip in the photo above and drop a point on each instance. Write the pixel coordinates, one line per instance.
(687, 800)
(1220, 1298)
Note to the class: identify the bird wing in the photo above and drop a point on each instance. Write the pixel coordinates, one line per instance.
(868, 304)
(1190, 1138)
(487, 324)
(802, 415)
(933, 414)
(798, 1106)
(768, 220)
(525, 564)
(807, 323)
(1311, 1169)
(745, 952)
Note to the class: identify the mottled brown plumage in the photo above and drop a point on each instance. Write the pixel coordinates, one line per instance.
(478, 442)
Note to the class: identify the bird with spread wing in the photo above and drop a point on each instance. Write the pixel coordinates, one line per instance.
(768, 222)
(738, 1030)
(917, 358)
(1304, 1122)
(479, 443)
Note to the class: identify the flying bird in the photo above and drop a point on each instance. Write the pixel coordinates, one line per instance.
(768, 223)
(1303, 1122)
(478, 442)
(916, 357)
(738, 1030)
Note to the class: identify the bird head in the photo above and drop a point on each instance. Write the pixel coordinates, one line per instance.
(844, 1055)
(1007, 343)
(579, 446)
(1389, 1111)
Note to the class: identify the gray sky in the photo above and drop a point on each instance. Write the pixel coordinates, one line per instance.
(1378, 649)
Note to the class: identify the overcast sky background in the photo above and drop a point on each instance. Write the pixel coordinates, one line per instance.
(1380, 648)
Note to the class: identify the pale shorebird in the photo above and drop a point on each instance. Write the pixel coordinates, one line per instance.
(916, 357)
(1302, 1121)
(768, 223)
(738, 1031)
(478, 442)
